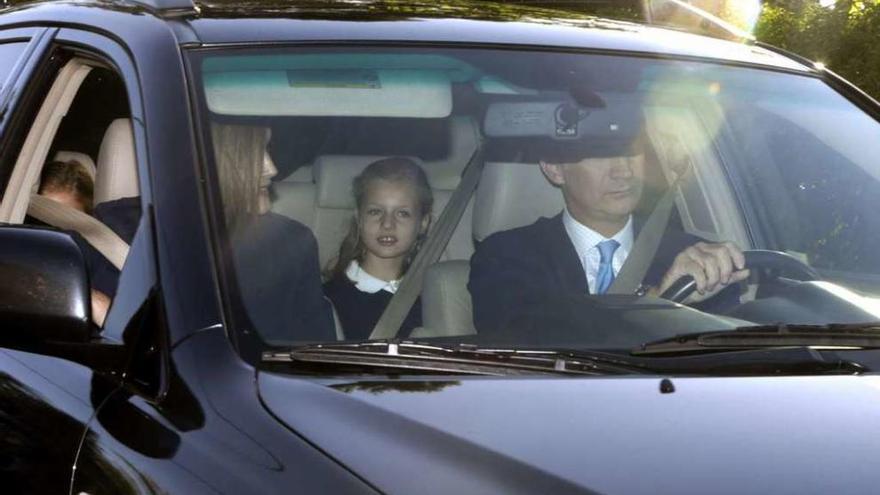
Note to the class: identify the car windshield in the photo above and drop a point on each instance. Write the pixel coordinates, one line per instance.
(533, 198)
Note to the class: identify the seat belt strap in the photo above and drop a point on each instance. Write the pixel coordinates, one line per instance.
(411, 285)
(100, 236)
(634, 269)
(645, 247)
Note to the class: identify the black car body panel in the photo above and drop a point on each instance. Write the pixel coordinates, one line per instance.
(602, 435)
(213, 423)
(257, 25)
(210, 435)
(593, 37)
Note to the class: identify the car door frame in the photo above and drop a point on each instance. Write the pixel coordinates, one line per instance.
(15, 93)
(46, 391)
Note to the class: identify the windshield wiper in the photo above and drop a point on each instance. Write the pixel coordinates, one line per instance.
(459, 358)
(835, 336)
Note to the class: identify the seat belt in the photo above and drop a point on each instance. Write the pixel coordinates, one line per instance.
(634, 269)
(100, 236)
(411, 285)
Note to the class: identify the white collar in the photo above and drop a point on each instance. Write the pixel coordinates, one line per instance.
(585, 238)
(368, 283)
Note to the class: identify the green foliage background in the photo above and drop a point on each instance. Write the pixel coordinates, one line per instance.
(844, 37)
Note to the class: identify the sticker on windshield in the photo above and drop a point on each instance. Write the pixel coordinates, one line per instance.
(337, 78)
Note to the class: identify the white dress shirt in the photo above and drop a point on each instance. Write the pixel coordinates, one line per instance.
(586, 240)
(365, 282)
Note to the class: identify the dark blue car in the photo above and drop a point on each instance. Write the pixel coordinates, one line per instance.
(363, 246)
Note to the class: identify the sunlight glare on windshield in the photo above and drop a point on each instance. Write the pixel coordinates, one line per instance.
(869, 305)
(700, 125)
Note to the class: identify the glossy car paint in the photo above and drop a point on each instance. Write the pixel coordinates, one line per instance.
(52, 265)
(610, 435)
(213, 424)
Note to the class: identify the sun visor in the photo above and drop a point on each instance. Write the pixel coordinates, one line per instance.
(330, 93)
(563, 130)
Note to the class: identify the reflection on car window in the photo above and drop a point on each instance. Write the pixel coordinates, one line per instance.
(9, 55)
(578, 152)
(823, 197)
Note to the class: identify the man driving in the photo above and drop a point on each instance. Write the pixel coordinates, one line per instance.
(582, 249)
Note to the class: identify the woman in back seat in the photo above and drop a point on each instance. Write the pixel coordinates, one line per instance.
(393, 212)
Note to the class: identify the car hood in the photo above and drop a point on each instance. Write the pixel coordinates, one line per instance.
(592, 435)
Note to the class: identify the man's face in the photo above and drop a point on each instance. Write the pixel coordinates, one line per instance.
(599, 191)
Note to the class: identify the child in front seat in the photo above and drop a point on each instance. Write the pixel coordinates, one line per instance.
(393, 203)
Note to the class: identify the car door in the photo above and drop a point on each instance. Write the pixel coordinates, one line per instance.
(141, 409)
(44, 400)
(51, 394)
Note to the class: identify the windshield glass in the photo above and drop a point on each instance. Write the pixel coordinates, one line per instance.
(600, 183)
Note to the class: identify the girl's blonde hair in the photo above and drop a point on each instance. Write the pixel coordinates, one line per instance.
(395, 169)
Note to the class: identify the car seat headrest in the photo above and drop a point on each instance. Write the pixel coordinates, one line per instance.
(512, 195)
(117, 167)
(81, 158)
(334, 175)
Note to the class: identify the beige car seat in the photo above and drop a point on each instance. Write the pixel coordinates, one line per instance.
(509, 195)
(320, 196)
(82, 158)
(116, 178)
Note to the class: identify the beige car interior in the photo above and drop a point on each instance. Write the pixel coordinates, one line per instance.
(512, 195)
(705, 202)
(117, 179)
(81, 158)
(509, 195)
(26, 172)
(320, 197)
(116, 164)
(498, 205)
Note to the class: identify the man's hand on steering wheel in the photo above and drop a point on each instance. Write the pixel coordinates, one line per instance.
(713, 267)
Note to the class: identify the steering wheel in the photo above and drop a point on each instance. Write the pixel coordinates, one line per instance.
(756, 259)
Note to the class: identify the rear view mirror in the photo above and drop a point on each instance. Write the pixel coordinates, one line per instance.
(590, 117)
(566, 128)
(44, 291)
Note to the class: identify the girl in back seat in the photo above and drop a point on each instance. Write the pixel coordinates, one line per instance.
(393, 213)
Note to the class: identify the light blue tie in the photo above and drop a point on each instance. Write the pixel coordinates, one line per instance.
(605, 275)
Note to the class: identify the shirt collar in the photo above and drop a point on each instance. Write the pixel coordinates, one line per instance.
(365, 282)
(585, 238)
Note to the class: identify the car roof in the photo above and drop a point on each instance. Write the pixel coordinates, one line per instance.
(489, 23)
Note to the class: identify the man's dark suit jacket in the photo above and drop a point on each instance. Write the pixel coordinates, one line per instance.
(122, 216)
(519, 269)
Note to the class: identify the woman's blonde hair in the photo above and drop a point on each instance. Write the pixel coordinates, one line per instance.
(239, 152)
(395, 169)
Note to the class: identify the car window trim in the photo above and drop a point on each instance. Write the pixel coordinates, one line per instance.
(22, 81)
(101, 51)
(36, 47)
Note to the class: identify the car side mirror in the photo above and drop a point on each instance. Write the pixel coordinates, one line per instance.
(44, 290)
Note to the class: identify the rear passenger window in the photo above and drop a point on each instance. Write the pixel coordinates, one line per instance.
(80, 175)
